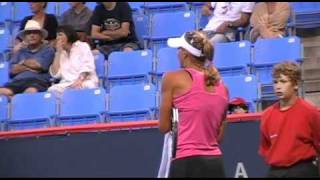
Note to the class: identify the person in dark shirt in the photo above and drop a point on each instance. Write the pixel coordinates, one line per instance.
(29, 66)
(112, 24)
(47, 21)
(290, 128)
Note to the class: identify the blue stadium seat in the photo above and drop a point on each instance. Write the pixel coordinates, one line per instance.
(21, 10)
(129, 67)
(232, 58)
(82, 106)
(175, 24)
(196, 7)
(31, 111)
(51, 8)
(5, 39)
(100, 68)
(4, 106)
(63, 6)
(136, 6)
(4, 72)
(268, 52)
(6, 10)
(141, 26)
(155, 7)
(91, 5)
(306, 14)
(132, 102)
(167, 61)
(245, 87)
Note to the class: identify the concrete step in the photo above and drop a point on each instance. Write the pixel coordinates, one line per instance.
(311, 86)
(311, 74)
(313, 51)
(311, 68)
(313, 98)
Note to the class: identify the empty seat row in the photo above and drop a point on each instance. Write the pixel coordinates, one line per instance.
(85, 106)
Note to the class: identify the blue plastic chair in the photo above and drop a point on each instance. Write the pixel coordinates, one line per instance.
(156, 7)
(245, 87)
(21, 10)
(175, 24)
(141, 23)
(167, 61)
(196, 7)
(4, 72)
(5, 39)
(4, 106)
(129, 67)
(6, 10)
(52, 8)
(306, 14)
(136, 6)
(100, 68)
(233, 58)
(63, 6)
(268, 52)
(82, 106)
(132, 102)
(32, 110)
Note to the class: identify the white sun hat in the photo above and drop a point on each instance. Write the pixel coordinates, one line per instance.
(32, 25)
(182, 42)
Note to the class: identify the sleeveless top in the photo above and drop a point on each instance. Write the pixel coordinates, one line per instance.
(201, 114)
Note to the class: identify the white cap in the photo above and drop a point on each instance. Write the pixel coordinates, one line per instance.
(182, 42)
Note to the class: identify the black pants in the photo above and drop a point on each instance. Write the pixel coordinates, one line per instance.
(301, 169)
(197, 166)
(19, 86)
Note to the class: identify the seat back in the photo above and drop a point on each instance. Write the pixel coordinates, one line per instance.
(132, 101)
(129, 67)
(248, 88)
(4, 72)
(232, 56)
(82, 106)
(175, 24)
(268, 52)
(33, 110)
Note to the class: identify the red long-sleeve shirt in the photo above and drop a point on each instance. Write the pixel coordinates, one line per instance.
(290, 136)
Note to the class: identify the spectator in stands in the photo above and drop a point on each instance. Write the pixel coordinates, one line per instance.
(73, 63)
(112, 24)
(238, 106)
(269, 20)
(290, 128)
(29, 66)
(202, 101)
(225, 18)
(78, 16)
(46, 21)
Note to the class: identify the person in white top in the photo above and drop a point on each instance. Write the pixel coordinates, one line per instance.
(225, 18)
(73, 63)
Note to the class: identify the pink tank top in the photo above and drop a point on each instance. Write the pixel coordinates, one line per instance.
(200, 115)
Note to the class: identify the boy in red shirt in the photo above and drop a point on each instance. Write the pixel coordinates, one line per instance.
(290, 128)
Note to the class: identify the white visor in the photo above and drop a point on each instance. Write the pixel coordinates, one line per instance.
(181, 42)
